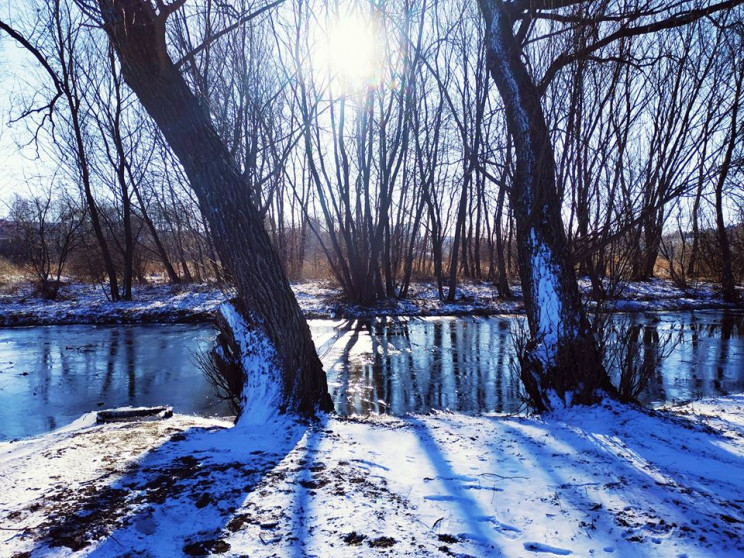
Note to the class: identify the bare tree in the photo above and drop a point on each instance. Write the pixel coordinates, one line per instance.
(733, 135)
(561, 363)
(47, 228)
(295, 376)
(58, 54)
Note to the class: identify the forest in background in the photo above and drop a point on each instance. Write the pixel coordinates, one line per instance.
(390, 167)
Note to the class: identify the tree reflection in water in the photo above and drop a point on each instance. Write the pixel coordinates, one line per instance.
(399, 365)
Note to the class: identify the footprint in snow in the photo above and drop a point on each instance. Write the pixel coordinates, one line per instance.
(540, 547)
(371, 464)
(504, 529)
(444, 498)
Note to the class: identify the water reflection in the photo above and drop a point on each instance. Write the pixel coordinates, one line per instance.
(49, 376)
(402, 365)
(708, 359)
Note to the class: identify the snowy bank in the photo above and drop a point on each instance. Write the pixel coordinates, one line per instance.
(159, 303)
(600, 481)
(87, 304)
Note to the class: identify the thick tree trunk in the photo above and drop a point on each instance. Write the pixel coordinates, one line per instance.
(652, 244)
(561, 364)
(270, 309)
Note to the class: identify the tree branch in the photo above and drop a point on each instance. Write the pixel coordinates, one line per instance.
(189, 56)
(676, 20)
(35, 52)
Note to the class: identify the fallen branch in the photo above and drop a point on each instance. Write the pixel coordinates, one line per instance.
(134, 413)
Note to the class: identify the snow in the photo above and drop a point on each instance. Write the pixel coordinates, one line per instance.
(82, 303)
(262, 390)
(585, 481)
(159, 303)
(547, 297)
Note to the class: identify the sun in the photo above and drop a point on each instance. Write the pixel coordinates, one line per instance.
(350, 52)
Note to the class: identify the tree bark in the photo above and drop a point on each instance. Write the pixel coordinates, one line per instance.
(728, 283)
(138, 35)
(561, 363)
(502, 280)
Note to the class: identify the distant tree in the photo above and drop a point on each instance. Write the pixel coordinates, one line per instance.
(733, 137)
(357, 147)
(58, 53)
(46, 227)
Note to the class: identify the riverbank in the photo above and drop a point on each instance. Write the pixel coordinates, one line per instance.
(601, 481)
(161, 303)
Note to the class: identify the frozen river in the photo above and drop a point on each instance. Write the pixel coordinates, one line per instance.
(51, 375)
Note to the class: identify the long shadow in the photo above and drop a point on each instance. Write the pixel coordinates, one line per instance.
(303, 493)
(469, 509)
(711, 456)
(184, 494)
(544, 449)
(328, 343)
(649, 469)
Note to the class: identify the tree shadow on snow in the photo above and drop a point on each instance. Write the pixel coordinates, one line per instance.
(638, 477)
(475, 518)
(623, 479)
(302, 495)
(182, 498)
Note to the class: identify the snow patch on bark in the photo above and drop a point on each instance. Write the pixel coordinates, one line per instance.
(498, 49)
(547, 296)
(262, 391)
(523, 141)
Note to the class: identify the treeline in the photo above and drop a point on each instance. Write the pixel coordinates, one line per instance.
(403, 169)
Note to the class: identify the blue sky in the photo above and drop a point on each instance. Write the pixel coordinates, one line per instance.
(16, 165)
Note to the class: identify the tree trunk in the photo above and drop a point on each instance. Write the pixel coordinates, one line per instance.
(462, 207)
(159, 247)
(95, 218)
(728, 283)
(693, 262)
(561, 364)
(270, 309)
(502, 280)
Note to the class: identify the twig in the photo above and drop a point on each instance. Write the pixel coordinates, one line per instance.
(502, 476)
(189, 56)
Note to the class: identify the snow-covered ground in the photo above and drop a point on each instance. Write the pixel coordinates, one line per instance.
(600, 481)
(83, 303)
(159, 303)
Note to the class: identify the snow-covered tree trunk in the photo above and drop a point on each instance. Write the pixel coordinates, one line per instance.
(289, 376)
(561, 364)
